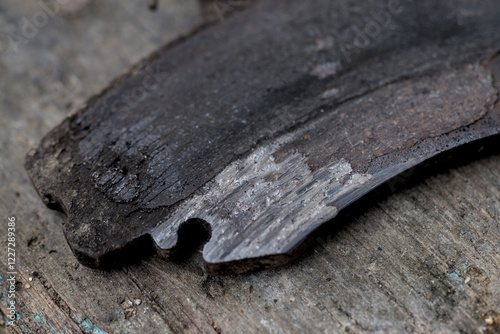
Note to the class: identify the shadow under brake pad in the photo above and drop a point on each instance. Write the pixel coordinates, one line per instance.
(265, 126)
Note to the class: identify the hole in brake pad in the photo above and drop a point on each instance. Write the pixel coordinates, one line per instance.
(265, 132)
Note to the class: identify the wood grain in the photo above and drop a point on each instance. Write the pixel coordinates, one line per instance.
(421, 259)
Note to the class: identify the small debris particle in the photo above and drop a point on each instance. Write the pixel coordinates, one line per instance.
(325, 70)
(467, 280)
(137, 302)
(27, 286)
(323, 43)
(126, 303)
(306, 136)
(153, 5)
(329, 93)
(30, 279)
(489, 320)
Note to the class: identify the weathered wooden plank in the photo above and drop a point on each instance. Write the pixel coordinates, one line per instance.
(425, 259)
(274, 127)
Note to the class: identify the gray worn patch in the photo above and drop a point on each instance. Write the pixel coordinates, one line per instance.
(259, 206)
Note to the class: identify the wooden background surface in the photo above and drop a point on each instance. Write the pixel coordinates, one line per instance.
(424, 258)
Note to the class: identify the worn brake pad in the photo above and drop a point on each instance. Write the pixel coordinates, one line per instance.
(265, 126)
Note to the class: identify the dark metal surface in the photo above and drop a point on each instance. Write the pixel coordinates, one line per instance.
(265, 126)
